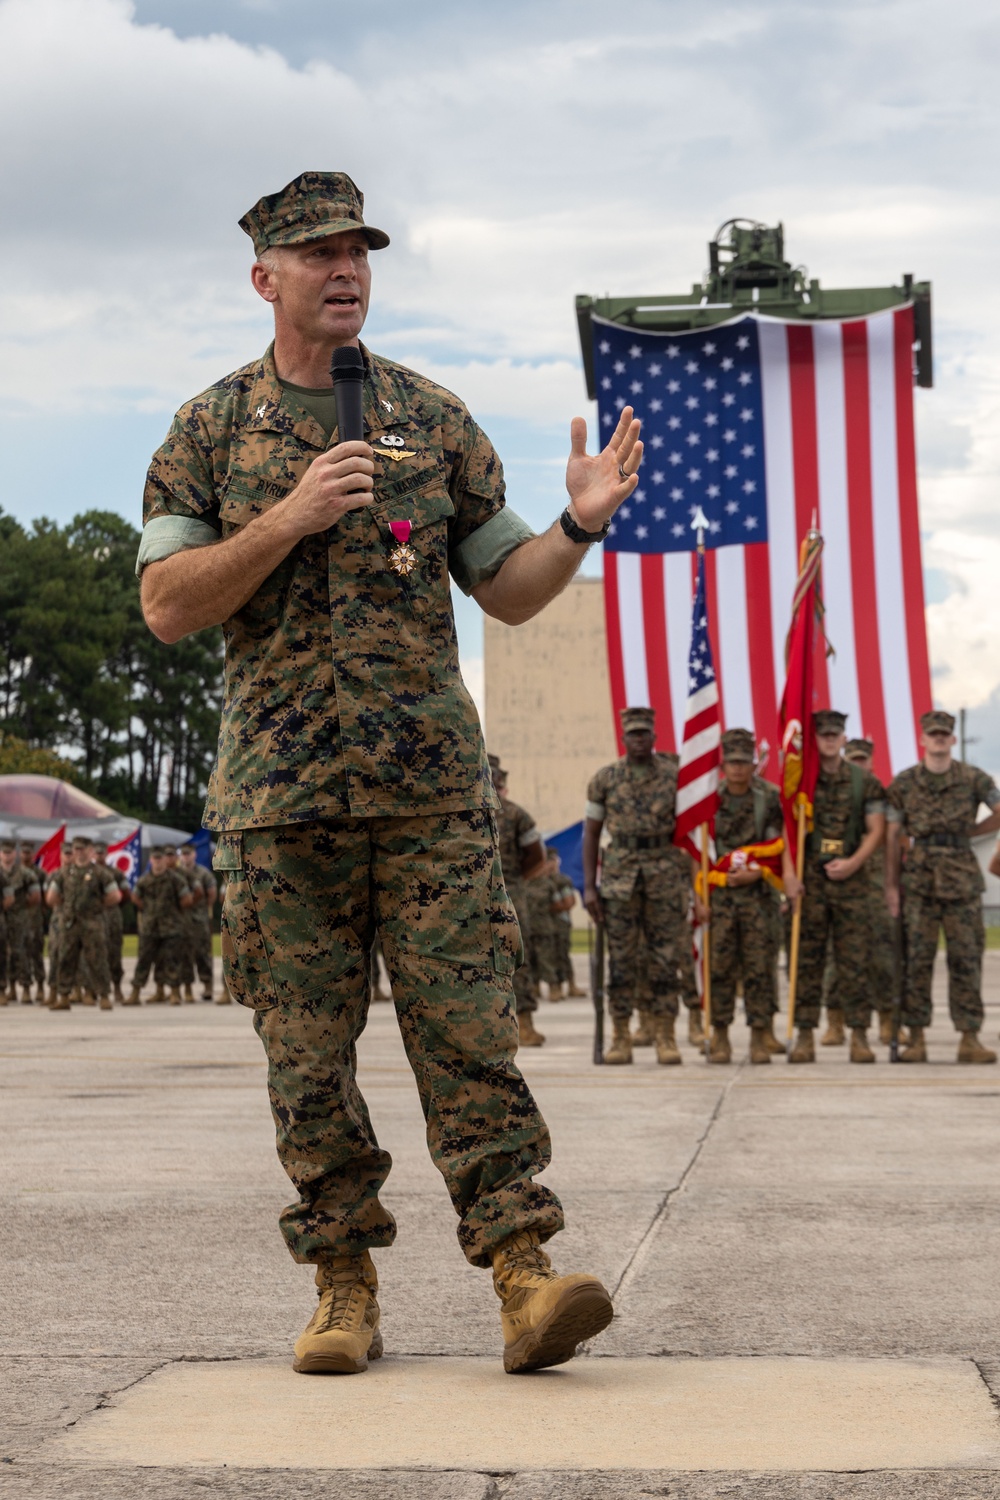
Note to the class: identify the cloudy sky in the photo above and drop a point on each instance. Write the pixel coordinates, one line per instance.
(518, 153)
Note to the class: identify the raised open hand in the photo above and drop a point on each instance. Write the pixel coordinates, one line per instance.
(598, 483)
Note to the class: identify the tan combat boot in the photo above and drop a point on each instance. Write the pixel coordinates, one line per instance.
(620, 1050)
(667, 1052)
(133, 996)
(207, 996)
(696, 1027)
(543, 1316)
(720, 1051)
(159, 997)
(61, 1002)
(971, 1050)
(760, 1052)
(188, 995)
(343, 1333)
(804, 1050)
(88, 998)
(835, 1035)
(105, 1003)
(885, 1027)
(119, 997)
(175, 996)
(776, 1048)
(555, 993)
(574, 992)
(643, 1035)
(916, 1050)
(225, 998)
(527, 1036)
(860, 1050)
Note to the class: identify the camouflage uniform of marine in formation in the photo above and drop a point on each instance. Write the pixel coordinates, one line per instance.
(742, 948)
(36, 923)
(521, 852)
(198, 929)
(942, 888)
(543, 952)
(877, 932)
(21, 893)
(643, 895)
(114, 926)
(839, 909)
(83, 945)
(352, 794)
(162, 896)
(564, 891)
(54, 882)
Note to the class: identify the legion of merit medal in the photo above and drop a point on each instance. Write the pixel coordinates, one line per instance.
(402, 558)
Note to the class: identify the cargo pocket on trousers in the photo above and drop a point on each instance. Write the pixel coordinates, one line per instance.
(245, 964)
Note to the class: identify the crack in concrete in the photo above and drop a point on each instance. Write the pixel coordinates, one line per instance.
(104, 1397)
(638, 1256)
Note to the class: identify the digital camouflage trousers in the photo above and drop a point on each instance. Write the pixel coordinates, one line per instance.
(742, 947)
(197, 960)
(646, 935)
(964, 935)
(165, 950)
(834, 911)
(83, 955)
(525, 988)
(303, 903)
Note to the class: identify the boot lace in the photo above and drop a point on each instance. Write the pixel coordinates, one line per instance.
(336, 1296)
(522, 1268)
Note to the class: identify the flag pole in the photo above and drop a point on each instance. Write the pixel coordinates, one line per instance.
(793, 954)
(706, 946)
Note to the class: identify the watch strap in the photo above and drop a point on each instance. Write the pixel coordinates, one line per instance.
(577, 534)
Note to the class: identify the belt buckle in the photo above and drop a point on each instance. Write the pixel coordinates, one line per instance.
(831, 846)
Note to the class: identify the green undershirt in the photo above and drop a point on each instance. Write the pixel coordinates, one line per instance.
(320, 404)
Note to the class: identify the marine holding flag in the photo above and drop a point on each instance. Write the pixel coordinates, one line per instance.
(352, 792)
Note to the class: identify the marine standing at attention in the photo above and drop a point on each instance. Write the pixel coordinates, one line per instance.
(352, 791)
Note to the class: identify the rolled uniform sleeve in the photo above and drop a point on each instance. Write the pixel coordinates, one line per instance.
(874, 795)
(483, 533)
(484, 552)
(180, 507)
(595, 806)
(987, 791)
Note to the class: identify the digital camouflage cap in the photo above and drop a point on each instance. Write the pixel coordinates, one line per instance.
(314, 205)
(829, 721)
(738, 744)
(637, 718)
(937, 719)
(859, 749)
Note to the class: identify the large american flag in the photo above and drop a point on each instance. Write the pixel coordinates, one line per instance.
(768, 424)
(698, 774)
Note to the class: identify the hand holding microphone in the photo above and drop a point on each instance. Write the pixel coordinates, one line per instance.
(342, 478)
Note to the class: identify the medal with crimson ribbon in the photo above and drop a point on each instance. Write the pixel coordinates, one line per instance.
(402, 558)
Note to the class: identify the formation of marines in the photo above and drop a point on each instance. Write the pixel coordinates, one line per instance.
(876, 858)
(84, 898)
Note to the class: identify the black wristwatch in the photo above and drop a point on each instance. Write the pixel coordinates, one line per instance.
(577, 534)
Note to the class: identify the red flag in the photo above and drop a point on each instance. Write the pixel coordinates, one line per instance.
(799, 756)
(49, 855)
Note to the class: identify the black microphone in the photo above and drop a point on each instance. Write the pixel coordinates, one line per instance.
(348, 370)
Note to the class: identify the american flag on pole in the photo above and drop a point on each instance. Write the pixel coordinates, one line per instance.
(698, 774)
(768, 424)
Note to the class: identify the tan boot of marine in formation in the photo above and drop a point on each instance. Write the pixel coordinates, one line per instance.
(620, 1050)
(860, 1050)
(574, 991)
(527, 1035)
(343, 1333)
(643, 1035)
(118, 996)
(225, 998)
(132, 998)
(544, 1316)
(105, 1003)
(159, 998)
(971, 1050)
(61, 1002)
(804, 1050)
(916, 1049)
(667, 1051)
(188, 995)
(835, 1034)
(720, 1050)
(696, 1028)
(175, 997)
(760, 1052)
(885, 1027)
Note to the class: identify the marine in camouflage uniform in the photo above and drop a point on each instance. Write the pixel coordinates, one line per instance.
(352, 792)
(543, 955)
(113, 920)
(163, 896)
(877, 933)
(198, 921)
(742, 946)
(83, 893)
(564, 899)
(21, 894)
(521, 855)
(848, 826)
(642, 895)
(934, 805)
(54, 882)
(36, 922)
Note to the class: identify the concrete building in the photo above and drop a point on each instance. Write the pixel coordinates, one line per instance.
(548, 703)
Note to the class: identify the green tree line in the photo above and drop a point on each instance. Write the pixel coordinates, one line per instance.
(83, 678)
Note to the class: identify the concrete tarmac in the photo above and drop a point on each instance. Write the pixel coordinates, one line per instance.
(803, 1260)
